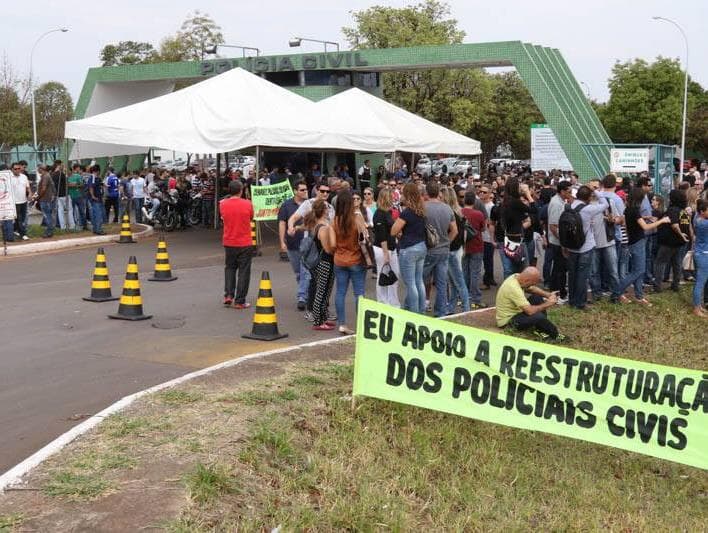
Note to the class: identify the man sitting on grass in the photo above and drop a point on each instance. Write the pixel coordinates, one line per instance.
(515, 309)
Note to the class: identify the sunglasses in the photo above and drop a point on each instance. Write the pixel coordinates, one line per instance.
(357, 198)
(324, 191)
(302, 190)
(367, 194)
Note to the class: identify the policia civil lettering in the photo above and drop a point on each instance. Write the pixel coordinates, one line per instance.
(445, 366)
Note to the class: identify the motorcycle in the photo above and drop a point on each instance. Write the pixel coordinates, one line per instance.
(166, 215)
(194, 213)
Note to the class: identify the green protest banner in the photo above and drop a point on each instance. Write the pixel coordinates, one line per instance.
(267, 199)
(642, 407)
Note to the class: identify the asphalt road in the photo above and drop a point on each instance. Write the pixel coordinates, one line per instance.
(62, 359)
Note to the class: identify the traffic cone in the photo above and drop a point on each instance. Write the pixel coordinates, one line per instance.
(100, 284)
(163, 272)
(265, 323)
(254, 238)
(131, 304)
(126, 236)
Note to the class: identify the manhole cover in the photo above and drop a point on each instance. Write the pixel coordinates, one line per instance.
(172, 322)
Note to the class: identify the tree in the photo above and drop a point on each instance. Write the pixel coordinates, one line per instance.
(127, 53)
(54, 107)
(492, 109)
(15, 117)
(646, 102)
(198, 32)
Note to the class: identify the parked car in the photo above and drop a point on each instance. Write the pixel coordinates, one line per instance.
(443, 165)
(466, 166)
(423, 167)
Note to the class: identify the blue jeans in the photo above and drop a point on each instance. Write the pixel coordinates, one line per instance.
(458, 286)
(47, 211)
(97, 216)
(410, 262)
(79, 206)
(207, 211)
(357, 274)
(603, 272)
(138, 208)
(622, 259)
(579, 265)
(638, 261)
(7, 230)
(472, 270)
(436, 266)
(701, 286)
(651, 248)
(507, 264)
(302, 275)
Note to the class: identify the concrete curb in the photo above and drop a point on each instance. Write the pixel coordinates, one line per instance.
(65, 244)
(15, 474)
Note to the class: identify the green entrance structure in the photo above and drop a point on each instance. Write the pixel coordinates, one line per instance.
(543, 70)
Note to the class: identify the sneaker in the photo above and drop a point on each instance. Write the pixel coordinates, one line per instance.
(323, 327)
(309, 316)
(561, 338)
(644, 302)
(25, 238)
(428, 307)
(344, 330)
(17, 233)
(478, 306)
(228, 301)
(541, 335)
(562, 301)
(301, 305)
(244, 305)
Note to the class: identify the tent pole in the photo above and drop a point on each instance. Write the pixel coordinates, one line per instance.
(216, 189)
(410, 170)
(258, 171)
(393, 162)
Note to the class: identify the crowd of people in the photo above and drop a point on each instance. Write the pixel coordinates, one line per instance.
(85, 195)
(622, 237)
(430, 244)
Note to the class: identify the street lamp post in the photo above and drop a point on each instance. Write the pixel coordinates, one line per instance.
(212, 49)
(685, 92)
(34, 114)
(296, 41)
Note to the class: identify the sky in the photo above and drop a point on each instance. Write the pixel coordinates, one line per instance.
(591, 35)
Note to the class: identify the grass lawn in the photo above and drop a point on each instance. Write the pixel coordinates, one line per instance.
(288, 451)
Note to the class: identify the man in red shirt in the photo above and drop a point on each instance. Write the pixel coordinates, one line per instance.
(474, 251)
(237, 214)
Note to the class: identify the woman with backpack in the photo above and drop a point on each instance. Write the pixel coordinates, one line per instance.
(456, 280)
(316, 223)
(344, 237)
(636, 226)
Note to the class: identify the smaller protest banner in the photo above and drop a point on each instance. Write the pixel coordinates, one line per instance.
(267, 199)
(7, 204)
(629, 159)
(427, 362)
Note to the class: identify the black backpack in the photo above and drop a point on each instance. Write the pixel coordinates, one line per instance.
(310, 251)
(570, 228)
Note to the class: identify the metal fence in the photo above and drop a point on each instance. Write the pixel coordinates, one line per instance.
(40, 157)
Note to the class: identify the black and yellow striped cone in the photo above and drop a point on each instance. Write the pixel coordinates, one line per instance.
(163, 272)
(254, 238)
(100, 284)
(131, 304)
(265, 323)
(126, 236)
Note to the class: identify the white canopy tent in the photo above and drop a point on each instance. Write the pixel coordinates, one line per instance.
(238, 110)
(229, 112)
(411, 132)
